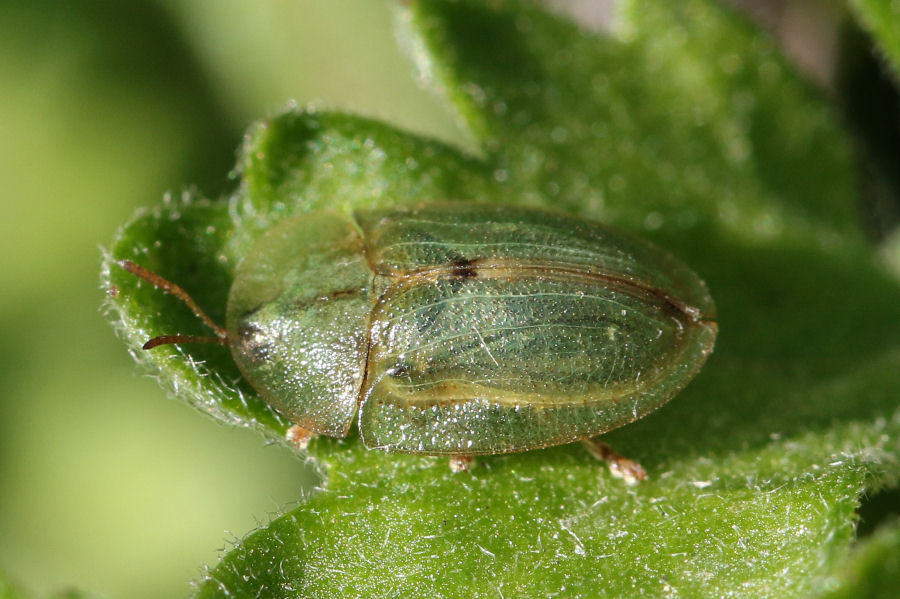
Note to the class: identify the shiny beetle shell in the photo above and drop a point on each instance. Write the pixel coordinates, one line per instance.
(462, 329)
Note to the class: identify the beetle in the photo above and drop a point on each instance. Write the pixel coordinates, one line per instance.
(460, 329)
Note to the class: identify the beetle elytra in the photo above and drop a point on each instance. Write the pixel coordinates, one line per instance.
(460, 329)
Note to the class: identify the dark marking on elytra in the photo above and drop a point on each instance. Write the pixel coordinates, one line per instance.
(464, 268)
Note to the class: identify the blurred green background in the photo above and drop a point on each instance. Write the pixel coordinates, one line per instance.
(105, 485)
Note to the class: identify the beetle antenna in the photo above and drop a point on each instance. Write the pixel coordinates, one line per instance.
(168, 339)
(171, 288)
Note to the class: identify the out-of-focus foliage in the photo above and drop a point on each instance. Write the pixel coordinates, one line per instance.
(873, 568)
(8, 590)
(882, 19)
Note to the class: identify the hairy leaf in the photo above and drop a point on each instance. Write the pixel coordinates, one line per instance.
(684, 124)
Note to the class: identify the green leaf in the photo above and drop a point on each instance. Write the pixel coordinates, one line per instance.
(868, 88)
(880, 18)
(873, 570)
(683, 124)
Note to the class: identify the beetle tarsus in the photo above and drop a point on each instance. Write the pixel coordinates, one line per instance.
(461, 463)
(299, 437)
(619, 466)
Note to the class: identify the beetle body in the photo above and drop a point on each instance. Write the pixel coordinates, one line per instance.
(460, 329)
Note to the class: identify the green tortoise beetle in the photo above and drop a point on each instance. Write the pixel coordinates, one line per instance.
(460, 329)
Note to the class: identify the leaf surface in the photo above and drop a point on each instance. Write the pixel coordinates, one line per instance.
(683, 124)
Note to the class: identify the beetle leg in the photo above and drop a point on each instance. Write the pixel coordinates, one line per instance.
(299, 437)
(619, 466)
(461, 463)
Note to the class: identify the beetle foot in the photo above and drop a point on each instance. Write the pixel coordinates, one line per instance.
(299, 437)
(461, 463)
(619, 466)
